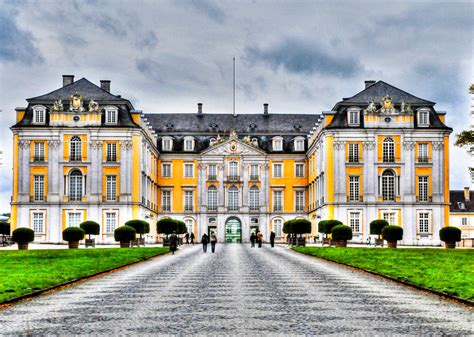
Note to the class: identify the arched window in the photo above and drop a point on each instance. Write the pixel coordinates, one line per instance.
(388, 185)
(254, 198)
(277, 227)
(212, 198)
(75, 185)
(233, 198)
(75, 151)
(388, 150)
(39, 114)
(189, 225)
(233, 171)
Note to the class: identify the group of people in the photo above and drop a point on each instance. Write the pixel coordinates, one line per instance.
(258, 238)
(188, 236)
(205, 241)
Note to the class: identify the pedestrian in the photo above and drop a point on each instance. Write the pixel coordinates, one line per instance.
(252, 240)
(204, 241)
(192, 238)
(259, 239)
(213, 241)
(368, 241)
(173, 242)
(272, 238)
(186, 236)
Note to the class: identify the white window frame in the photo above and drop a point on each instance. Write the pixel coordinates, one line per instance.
(109, 228)
(388, 150)
(423, 156)
(300, 200)
(353, 116)
(166, 200)
(188, 201)
(41, 216)
(423, 117)
(212, 198)
(354, 219)
(386, 216)
(354, 188)
(386, 187)
(423, 221)
(277, 206)
(185, 168)
(278, 227)
(189, 222)
(274, 170)
(299, 144)
(423, 188)
(353, 155)
(111, 152)
(233, 196)
(111, 188)
(233, 169)
(277, 143)
(254, 198)
(299, 167)
(167, 143)
(39, 154)
(188, 143)
(39, 115)
(254, 172)
(464, 221)
(38, 188)
(75, 149)
(165, 174)
(212, 171)
(78, 221)
(111, 115)
(76, 196)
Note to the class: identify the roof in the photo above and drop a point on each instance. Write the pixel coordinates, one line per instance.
(457, 201)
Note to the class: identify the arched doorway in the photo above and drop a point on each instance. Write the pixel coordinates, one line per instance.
(233, 230)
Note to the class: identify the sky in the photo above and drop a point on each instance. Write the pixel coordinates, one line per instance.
(298, 56)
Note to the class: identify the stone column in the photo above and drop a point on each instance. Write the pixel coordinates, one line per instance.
(55, 177)
(407, 178)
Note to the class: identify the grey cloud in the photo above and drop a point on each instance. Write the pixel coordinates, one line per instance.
(304, 57)
(110, 25)
(148, 40)
(210, 9)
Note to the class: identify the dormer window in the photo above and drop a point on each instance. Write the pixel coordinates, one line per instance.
(299, 144)
(188, 144)
(167, 143)
(277, 144)
(353, 117)
(423, 117)
(111, 115)
(39, 115)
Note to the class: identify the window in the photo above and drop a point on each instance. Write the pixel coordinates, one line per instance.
(166, 170)
(111, 186)
(74, 219)
(388, 149)
(188, 170)
(188, 201)
(390, 217)
(423, 222)
(167, 143)
(233, 171)
(277, 201)
(464, 222)
(354, 221)
(233, 196)
(254, 172)
(277, 144)
(75, 150)
(354, 188)
(166, 201)
(277, 227)
(353, 117)
(277, 170)
(423, 153)
(39, 115)
(111, 152)
(388, 185)
(353, 153)
(299, 201)
(39, 188)
(422, 188)
(110, 222)
(188, 144)
(39, 151)
(299, 144)
(212, 198)
(38, 222)
(212, 172)
(254, 198)
(423, 118)
(110, 116)
(299, 170)
(75, 185)
(189, 225)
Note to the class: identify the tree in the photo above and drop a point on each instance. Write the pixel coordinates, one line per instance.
(465, 139)
(166, 226)
(140, 226)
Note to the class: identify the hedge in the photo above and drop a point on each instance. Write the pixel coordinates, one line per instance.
(124, 234)
(376, 226)
(392, 233)
(341, 233)
(450, 234)
(73, 234)
(22, 235)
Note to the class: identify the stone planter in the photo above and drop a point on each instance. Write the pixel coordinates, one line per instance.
(378, 242)
(301, 242)
(450, 244)
(392, 244)
(22, 245)
(326, 241)
(341, 243)
(90, 243)
(73, 244)
(124, 244)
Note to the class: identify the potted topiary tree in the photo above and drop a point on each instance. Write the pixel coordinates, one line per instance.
(340, 234)
(125, 234)
(141, 227)
(376, 227)
(322, 230)
(90, 228)
(4, 232)
(328, 226)
(166, 226)
(450, 235)
(392, 234)
(22, 236)
(289, 229)
(73, 235)
(301, 226)
(180, 229)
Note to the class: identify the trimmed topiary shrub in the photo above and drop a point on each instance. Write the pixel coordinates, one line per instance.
(165, 226)
(73, 234)
(301, 226)
(392, 234)
(140, 226)
(321, 224)
(330, 224)
(450, 235)
(376, 226)
(90, 228)
(4, 228)
(125, 234)
(22, 236)
(341, 233)
(181, 227)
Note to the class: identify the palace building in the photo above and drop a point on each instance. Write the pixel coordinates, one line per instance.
(82, 153)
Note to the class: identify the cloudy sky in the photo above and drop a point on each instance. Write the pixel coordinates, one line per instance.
(299, 56)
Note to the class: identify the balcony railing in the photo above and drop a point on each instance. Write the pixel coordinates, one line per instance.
(233, 178)
(424, 199)
(212, 177)
(353, 159)
(212, 208)
(232, 208)
(188, 208)
(75, 198)
(423, 160)
(38, 159)
(254, 178)
(388, 159)
(75, 158)
(277, 208)
(355, 198)
(254, 208)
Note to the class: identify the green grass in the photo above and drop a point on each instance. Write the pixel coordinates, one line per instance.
(450, 271)
(23, 272)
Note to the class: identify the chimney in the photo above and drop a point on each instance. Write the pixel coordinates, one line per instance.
(199, 109)
(105, 84)
(467, 193)
(265, 108)
(369, 83)
(68, 79)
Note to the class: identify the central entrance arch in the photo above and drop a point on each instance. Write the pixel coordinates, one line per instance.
(233, 230)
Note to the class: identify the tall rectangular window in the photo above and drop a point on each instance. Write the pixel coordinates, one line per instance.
(39, 151)
(299, 201)
(188, 201)
(353, 153)
(353, 118)
(299, 145)
(423, 119)
(110, 221)
(354, 221)
(233, 170)
(111, 117)
(188, 170)
(354, 188)
(390, 217)
(422, 188)
(277, 227)
(111, 185)
(277, 170)
(188, 144)
(277, 201)
(166, 170)
(212, 172)
(423, 153)
(254, 198)
(299, 170)
(424, 222)
(112, 152)
(38, 222)
(464, 222)
(166, 201)
(212, 198)
(254, 172)
(39, 116)
(74, 219)
(167, 144)
(39, 188)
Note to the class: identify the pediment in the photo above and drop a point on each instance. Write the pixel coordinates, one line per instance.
(233, 147)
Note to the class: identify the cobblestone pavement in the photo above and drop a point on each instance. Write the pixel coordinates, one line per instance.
(237, 290)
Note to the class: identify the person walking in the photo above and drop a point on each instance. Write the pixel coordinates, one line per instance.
(252, 240)
(173, 242)
(259, 239)
(272, 238)
(213, 241)
(186, 236)
(204, 241)
(192, 238)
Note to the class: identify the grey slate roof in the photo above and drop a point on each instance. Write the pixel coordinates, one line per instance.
(456, 198)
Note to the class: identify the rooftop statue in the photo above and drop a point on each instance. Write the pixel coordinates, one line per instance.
(371, 108)
(406, 108)
(57, 106)
(93, 106)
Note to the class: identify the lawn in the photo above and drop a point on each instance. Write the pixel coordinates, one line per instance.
(23, 272)
(450, 271)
